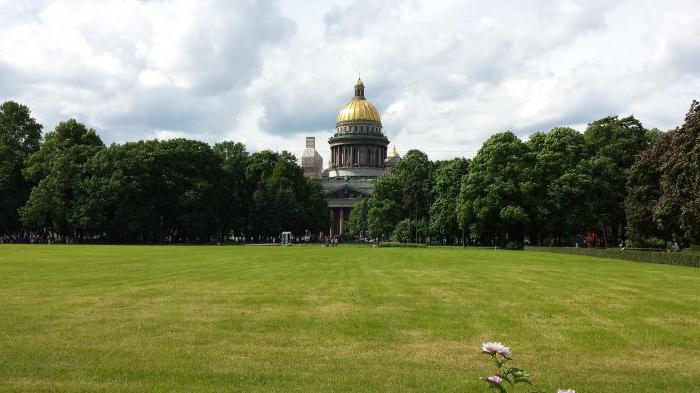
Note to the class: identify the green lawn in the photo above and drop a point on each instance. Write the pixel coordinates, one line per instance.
(314, 319)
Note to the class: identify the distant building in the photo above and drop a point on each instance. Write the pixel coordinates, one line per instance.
(311, 161)
(358, 157)
(392, 160)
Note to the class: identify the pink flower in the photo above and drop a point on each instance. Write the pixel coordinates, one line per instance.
(493, 348)
(495, 379)
(566, 391)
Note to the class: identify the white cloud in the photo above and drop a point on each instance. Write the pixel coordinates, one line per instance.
(445, 75)
(167, 134)
(131, 67)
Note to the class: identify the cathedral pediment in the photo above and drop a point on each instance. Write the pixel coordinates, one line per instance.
(346, 192)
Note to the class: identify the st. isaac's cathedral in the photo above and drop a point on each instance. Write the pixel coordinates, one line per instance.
(358, 157)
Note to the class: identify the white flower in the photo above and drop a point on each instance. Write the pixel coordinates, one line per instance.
(493, 348)
(566, 391)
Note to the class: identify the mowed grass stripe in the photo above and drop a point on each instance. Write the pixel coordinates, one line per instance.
(345, 319)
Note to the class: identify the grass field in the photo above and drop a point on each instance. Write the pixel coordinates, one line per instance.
(314, 319)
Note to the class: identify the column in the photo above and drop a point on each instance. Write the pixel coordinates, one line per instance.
(340, 222)
(331, 230)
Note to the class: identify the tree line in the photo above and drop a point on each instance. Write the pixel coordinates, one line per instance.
(69, 186)
(617, 182)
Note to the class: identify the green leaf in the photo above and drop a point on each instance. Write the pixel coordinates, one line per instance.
(505, 378)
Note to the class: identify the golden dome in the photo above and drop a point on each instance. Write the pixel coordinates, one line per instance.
(358, 108)
(393, 153)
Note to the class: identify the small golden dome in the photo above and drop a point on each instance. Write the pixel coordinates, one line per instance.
(358, 108)
(394, 153)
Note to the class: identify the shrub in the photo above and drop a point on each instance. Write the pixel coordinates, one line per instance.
(648, 243)
(402, 245)
(514, 246)
(667, 258)
(402, 231)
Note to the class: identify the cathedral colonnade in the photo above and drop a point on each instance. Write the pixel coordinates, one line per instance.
(338, 217)
(358, 155)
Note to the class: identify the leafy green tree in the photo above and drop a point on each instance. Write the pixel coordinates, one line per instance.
(653, 135)
(573, 197)
(66, 136)
(234, 157)
(414, 174)
(18, 129)
(680, 183)
(356, 223)
(408, 230)
(14, 190)
(614, 143)
(404, 193)
(385, 207)
(192, 196)
(644, 192)
(445, 189)
(122, 191)
(497, 180)
(618, 139)
(20, 136)
(403, 231)
(513, 219)
(156, 191)
(664, 186)
(283, 198)
(57, 168)
(554, 154)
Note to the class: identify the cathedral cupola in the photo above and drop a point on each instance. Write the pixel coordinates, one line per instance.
(356, 111)
(359, 144)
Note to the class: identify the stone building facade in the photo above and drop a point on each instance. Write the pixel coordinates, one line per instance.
(358, 157)
(311, 161)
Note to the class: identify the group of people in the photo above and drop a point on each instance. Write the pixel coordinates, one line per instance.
(331, 241)
(30, 238)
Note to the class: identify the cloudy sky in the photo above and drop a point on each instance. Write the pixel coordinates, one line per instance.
(444, 74)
